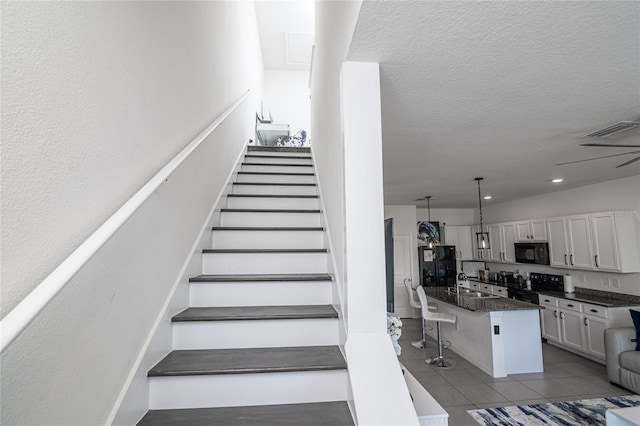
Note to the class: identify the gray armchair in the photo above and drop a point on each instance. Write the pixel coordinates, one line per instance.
(623, 361)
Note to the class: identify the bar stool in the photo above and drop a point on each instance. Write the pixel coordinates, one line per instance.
(415, 303)
(437, 317)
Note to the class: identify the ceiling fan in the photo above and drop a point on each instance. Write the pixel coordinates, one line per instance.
(619, 127)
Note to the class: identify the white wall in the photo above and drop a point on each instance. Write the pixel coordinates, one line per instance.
(447, 216)
(620, 194)
(96, 98)
(286, 96)
(335, 22)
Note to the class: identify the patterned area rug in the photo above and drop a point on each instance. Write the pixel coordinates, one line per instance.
(578, 413)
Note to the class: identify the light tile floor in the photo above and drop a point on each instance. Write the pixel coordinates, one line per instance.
(566, 377)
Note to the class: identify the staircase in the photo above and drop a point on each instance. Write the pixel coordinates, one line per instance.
(258, 344)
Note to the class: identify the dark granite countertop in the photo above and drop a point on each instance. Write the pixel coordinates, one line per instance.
(477, 301)
(595, 297)
(605, 300)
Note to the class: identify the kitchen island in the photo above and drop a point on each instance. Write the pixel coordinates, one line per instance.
(498, 335)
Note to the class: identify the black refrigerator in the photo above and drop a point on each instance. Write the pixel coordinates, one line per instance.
(437, 266)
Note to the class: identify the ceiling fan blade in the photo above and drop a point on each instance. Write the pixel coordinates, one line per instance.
(610, 145)
(597, 158)
(629, 162)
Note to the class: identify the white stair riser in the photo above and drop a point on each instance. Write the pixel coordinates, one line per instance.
(260, 293)
(275, 178)
(307, 220)
(275, 189)
(233, 390)
(268, 239)
(276, 168)
(255, 334)
(276, 160)
(264, 263)
(272, 203)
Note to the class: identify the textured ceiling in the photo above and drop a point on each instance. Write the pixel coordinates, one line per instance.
(503, 90)
(279, 21)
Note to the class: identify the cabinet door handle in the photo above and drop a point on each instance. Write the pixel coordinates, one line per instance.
(561, 316)
(565, 259)
(594, 310)
(555, 314)
(570, 305)
(597, 266)
(571, 259)
(585, 323)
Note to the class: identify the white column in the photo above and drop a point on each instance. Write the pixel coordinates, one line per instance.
(361, 129)
(380, 394)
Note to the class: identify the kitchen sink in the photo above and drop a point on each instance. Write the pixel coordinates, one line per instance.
(465, 292)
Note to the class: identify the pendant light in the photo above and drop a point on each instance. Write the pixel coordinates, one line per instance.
(432, 240)
(482, 238)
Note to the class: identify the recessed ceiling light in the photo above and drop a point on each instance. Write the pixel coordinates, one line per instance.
(488, 197)
(557, 180)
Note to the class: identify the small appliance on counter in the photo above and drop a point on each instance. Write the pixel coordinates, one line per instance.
(505, 278)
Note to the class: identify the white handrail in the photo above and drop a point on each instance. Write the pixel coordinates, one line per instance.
(21, 316)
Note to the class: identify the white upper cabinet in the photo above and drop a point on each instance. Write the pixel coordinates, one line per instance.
(531, 230)
(495, 243)
(579, 238)
(599, 241)
(502, 237)
(508, 241)
(558, 248)
(459, 236)
(605, 245)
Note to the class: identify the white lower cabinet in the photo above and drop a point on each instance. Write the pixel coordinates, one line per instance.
(594, 335)
(580, 326)
(571, 329)
(550, 322)
(496, 290)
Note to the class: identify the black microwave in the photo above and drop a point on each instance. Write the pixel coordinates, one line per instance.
(537, 253)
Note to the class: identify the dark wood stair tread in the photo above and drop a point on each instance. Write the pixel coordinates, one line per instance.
(279, 149)
(275, 183)
(263, 228)
(269, 211)
(278, 164)
(275, 173)
(238, 313)
(259, 277)
(249, 360)
(265, 250)
(297, 157)
(270, 196)
(313, 414)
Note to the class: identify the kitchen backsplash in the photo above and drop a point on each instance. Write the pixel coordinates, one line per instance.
(627, 283)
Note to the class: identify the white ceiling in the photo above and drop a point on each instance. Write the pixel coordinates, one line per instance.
(286, 31)
(503, 90)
